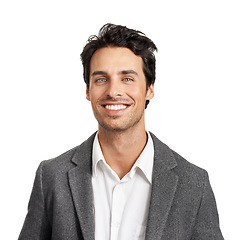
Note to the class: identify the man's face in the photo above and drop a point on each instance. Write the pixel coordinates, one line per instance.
(117, 88)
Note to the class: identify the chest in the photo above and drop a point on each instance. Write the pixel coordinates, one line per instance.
(120, 207)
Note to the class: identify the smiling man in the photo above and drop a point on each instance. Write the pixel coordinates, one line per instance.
(122, 183)
(117, 89)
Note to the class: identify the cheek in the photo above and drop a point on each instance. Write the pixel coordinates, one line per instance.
(92, 93)
(95, 94)
(137, 92)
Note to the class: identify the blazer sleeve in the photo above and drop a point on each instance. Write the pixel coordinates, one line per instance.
(36, 225)
(207, 221)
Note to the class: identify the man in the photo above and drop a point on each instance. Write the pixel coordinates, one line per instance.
(122, 183)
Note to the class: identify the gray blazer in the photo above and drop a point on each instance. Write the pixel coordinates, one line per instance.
(182, 203)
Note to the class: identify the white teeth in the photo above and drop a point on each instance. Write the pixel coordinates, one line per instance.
(115, 107)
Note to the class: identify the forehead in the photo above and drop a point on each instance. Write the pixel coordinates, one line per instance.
(115, 58)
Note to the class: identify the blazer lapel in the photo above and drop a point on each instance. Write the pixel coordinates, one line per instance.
(81, 187)
(164, 184)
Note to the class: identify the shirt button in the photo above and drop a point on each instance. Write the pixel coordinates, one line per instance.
(116, 224)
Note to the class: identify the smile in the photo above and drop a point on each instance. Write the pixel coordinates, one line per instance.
(115, 107)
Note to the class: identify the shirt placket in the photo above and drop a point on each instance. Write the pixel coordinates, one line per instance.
(118, 203)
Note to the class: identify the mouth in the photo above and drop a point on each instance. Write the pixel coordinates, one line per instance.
(115, 107)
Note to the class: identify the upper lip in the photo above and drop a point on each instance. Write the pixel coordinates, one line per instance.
(115, 104)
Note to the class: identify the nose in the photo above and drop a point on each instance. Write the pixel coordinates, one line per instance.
(114, 89)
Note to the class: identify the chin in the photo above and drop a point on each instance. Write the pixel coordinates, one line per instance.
(118, 127)
(111, 128)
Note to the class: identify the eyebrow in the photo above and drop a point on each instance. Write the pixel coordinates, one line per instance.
(98, 73)
(128, 72)
(123, 72)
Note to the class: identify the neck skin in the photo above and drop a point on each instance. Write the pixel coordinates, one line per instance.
(121, 149)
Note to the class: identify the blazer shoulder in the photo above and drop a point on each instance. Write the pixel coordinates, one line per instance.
(164, 152)
(69, 159)
(189, 171)
(60, 161)
(185, 164)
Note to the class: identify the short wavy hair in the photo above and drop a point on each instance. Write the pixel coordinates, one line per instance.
(121, 36)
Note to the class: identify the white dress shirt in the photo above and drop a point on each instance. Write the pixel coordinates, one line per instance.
(121, 206)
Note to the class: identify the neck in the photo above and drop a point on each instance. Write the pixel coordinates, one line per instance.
(121, 149)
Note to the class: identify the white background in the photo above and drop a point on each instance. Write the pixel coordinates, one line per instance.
(42, 94)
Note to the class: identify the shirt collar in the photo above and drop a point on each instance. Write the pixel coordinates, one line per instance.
(144, 161)
(97, 155)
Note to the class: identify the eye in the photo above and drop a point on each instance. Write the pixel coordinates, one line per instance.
(100, 80)
(127, 79)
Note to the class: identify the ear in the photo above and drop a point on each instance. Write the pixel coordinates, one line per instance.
(150, 92)
(87, 94)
